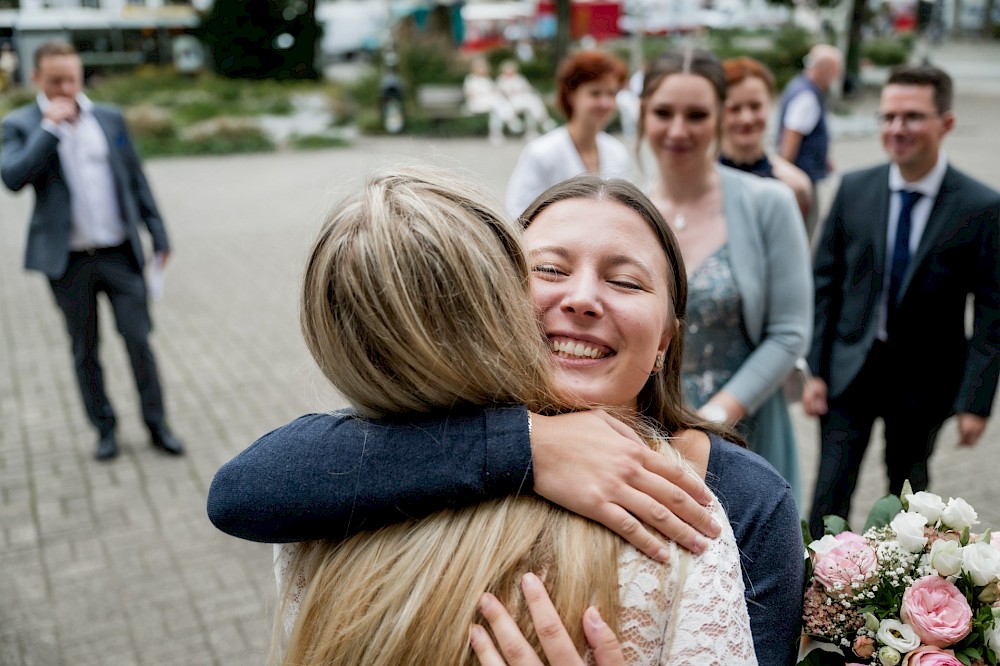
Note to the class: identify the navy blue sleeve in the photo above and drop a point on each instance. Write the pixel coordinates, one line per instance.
(327, 476)
(765, 520)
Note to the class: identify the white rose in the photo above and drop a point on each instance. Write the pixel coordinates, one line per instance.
(959, 514)
(946, 557)
(926, 504)
(888, 656)
(897, 635)
(982, 562)
(824, 545)
(909, 529)
(993, 637)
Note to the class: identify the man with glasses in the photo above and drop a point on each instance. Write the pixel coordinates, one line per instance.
(905, 245)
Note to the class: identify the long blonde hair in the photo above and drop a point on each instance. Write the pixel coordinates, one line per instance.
(416, 299)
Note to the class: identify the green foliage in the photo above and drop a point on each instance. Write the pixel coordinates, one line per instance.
(318, 141)
(244, 38)
(15, 98)
(788, 49)
(887, 52)
(221, 136)
(428, 61)
(883, 511)
(462, 126)
(835, 525)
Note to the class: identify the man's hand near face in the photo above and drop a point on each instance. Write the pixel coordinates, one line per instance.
(62, 109)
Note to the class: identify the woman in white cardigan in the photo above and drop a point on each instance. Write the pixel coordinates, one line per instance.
(588, 82)
(747, 258)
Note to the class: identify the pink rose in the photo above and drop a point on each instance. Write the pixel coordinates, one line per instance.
(852, 560)
(937, 611)
(864, 647)
(930, 656)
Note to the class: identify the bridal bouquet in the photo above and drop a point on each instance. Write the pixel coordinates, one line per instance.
(917, 588)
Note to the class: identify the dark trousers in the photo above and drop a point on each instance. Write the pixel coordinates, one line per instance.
(910, 432)
(115, 272)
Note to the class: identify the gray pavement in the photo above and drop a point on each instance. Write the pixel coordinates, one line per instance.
(117, 563)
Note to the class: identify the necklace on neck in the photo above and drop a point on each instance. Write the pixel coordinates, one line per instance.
(680, 221)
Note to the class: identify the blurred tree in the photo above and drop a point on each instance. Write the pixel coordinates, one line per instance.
(262, 39)
(563, 19)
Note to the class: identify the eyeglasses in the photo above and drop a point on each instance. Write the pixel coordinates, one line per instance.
(908, 120)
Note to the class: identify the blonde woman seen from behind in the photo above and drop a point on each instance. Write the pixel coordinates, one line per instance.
(415, 301)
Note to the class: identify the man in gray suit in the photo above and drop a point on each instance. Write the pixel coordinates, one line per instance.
(90, 197)
(904, 247)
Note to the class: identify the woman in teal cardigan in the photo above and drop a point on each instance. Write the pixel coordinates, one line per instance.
(746, 254)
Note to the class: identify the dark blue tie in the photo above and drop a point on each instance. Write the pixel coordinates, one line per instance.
(901, 250)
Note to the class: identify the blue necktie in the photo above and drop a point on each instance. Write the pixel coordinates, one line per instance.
(901, 250)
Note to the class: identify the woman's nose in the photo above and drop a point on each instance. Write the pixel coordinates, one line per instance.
(581, 297)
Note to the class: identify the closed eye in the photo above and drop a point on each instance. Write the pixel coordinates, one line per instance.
(547, 270)
(627, 284)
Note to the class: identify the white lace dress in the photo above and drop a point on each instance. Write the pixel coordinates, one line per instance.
(690, 611)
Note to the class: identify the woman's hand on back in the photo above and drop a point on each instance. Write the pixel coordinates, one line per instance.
(596, 466)
(514, 649)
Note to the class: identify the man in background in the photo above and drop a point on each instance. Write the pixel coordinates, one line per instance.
(803, 136)
(90, 198)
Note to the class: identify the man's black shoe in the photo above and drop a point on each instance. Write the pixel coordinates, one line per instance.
(107, 447)
(164, 439)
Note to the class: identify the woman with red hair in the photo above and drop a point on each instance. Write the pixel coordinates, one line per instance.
(588, 82)
(749, 91)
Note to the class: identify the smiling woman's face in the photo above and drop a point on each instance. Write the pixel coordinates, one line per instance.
(599, 283)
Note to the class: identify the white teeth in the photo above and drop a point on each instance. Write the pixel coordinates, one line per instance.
(576, 349)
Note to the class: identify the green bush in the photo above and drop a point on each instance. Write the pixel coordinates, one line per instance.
(317, 141)
(886, 52)
(227, 135)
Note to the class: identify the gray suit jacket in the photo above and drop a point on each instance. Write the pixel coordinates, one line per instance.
(933, 365)
(29, 156)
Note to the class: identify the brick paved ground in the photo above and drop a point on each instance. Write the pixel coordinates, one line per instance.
(116, 563)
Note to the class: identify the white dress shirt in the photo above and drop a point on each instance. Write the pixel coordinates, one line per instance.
(928, 186)
(84, 157)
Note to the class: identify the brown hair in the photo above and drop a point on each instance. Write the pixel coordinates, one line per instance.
(690, 60)
(925, 75)
(583, 67)
(740, 69)
(661, 399)
(52, 49)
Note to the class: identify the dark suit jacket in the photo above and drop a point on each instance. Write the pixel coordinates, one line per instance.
(29, 156)
(934, 366)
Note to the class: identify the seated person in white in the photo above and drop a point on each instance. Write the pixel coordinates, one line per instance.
(524, 99)
(482, 96)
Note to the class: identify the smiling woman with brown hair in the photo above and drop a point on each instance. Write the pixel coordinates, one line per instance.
(415, 300)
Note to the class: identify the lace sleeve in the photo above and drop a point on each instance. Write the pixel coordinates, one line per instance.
(283, 555)
(688, 611)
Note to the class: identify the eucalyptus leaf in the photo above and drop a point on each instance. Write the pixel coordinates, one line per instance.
(835, 525)
(907, 490)
(806, 535)
(883, 511)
